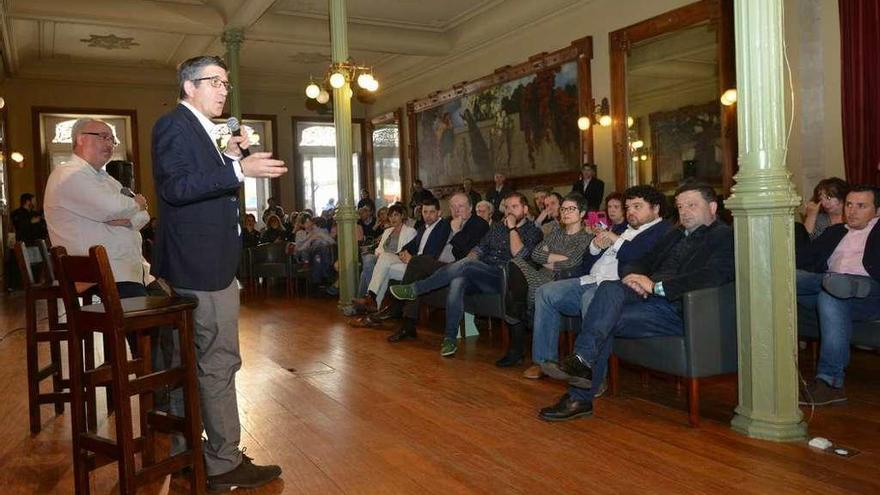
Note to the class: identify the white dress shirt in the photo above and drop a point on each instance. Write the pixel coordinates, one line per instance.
(79, 201)
(425, 235)
(605, 268)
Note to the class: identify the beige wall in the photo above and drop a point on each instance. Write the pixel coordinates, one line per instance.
(815, 149)
(150, 103)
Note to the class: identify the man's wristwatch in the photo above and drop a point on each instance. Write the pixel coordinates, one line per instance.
(511, 229)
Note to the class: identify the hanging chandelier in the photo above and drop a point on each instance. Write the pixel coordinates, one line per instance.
(337, 75)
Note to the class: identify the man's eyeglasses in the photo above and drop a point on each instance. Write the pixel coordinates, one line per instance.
(110, 138)
(215, 82)
(568, 209)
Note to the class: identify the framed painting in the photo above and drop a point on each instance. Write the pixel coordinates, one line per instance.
(520, 121)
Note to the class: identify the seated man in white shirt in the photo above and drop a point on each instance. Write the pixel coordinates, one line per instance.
(609, 251)
(85, 207)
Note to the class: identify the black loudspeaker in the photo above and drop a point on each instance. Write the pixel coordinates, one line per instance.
(121, 170)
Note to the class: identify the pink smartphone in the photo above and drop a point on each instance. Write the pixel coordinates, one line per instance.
(597, 219)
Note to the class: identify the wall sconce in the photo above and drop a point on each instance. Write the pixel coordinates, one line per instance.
(336, 77)
(728, 98)
(601, 114)
(18, 158)
(2, 102)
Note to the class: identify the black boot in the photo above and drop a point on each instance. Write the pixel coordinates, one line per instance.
(407, 331)
(516, 351)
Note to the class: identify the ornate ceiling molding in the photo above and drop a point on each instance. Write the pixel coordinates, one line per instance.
(109, 42)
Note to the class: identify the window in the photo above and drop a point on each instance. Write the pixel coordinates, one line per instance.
(316, 143)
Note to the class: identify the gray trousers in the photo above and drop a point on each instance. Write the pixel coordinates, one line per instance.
(217, 353)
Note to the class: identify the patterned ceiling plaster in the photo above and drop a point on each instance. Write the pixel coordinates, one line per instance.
(109, 42)
(310, 57)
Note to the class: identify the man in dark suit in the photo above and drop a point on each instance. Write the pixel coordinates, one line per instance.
(839, 277)
(466, 231)
(609, 252)
(697, 255)
(197, 251)
(497, 194)
(468, 188)
(432, 234)
(590, 187)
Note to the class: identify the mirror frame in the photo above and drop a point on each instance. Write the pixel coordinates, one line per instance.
(718, 12)
(369, 169)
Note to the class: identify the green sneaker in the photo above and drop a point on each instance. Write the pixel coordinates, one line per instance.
(404, 292)
(448, 347)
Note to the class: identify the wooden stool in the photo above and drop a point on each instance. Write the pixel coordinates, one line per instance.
(114, 318)
(38, 277)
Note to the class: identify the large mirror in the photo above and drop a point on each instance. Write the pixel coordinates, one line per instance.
(668, 75)
(384, 173)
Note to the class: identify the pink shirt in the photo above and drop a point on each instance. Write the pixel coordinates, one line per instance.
(847, 257)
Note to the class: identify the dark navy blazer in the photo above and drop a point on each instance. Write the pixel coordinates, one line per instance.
(435, 243)
(814, 256)
(630, 250)
(198, 244)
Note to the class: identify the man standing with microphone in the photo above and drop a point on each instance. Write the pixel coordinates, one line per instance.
(198, 248)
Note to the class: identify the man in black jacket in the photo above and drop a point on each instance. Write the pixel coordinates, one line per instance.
(590, 187)
(697, 255)
(467, 230)
(839, 276)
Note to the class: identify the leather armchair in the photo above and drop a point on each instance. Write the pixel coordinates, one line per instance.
(708, 346)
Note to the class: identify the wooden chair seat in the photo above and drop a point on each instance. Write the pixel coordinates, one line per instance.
(40, 284)
(114, 318)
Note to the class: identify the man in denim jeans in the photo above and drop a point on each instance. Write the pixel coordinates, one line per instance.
(610, 250)
(839, 278)
(480, 270)
(646, 301)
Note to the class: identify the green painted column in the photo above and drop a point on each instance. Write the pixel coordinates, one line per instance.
(346, 217)
(232, 39)
(763, 204)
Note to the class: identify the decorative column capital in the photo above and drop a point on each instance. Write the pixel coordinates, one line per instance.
(232, 38)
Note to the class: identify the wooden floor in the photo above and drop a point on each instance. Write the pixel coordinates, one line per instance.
(343, 411)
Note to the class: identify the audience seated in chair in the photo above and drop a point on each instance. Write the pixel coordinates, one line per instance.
(481, 270)
(376, 266)
(698, 254)
(274, 230)
(825, 208)
(250, 236)
(466, 231)
(548, 218)
(556, 257)
(839, 277)
(610, 251)
(485, 210)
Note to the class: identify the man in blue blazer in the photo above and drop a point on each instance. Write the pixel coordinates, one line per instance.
(609, 252)
(197, 251)
(645, 302)
(838, 276)
(438, 231)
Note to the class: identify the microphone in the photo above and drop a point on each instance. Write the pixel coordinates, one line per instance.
(235, 127)
(126, 192)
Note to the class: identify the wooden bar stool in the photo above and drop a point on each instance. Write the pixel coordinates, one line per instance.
(40, 284)
(114, 318)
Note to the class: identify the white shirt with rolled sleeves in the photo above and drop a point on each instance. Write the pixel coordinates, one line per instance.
(79, 202)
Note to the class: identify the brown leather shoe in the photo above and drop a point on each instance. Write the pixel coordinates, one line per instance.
(366, 304)
(365, 322)
(533, 372)
(246, 475)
